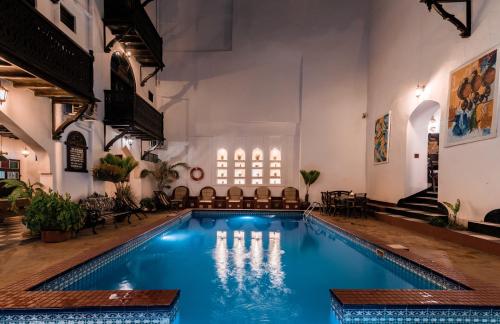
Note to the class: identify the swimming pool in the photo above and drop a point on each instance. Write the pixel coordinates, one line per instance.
(250, 267)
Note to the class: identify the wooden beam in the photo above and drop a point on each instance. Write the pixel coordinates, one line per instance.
(15, 74)
(51, 92)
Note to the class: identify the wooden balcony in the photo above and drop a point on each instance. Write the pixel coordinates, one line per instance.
(35, 54)
(131, 26)
(131, 115)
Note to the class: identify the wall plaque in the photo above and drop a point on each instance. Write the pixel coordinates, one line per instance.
(76, 152)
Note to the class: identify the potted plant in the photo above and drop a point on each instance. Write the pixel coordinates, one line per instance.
(54, 216)
(20, 190)
(454, 209)
(309, 177)
(148, 204)
(164, 173)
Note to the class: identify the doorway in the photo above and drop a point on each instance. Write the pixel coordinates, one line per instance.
(422, 147)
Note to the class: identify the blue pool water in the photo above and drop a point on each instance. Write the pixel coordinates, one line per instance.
(251, 269)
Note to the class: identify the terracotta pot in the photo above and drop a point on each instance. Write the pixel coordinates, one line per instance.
(55, 236)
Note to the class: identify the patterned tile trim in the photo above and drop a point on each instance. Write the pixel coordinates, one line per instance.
(248, 212)
(97, 316)
(427, 274)
(410, 315)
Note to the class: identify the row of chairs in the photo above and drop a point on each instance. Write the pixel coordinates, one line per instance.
(234, 198)
(338, 201)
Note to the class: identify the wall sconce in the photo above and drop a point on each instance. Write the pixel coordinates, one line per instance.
(128, 53)
(420, 90)
(3, 95)
(25, 152)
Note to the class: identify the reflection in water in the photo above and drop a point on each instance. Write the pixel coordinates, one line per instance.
(256, 254)
(275, 273)
(239, 257)
(221, 256)
(259, 265)
(125, 285)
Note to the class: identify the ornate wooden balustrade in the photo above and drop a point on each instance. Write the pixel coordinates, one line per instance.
(131, 26)
(133, 116)
(34, 53)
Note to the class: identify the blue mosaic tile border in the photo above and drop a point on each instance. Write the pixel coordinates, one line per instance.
(410, 315)
(415, 268)
(249, 212)
(79, 272)
(97, 316)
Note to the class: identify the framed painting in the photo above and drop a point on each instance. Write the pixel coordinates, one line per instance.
(473, 101)
(382, 136)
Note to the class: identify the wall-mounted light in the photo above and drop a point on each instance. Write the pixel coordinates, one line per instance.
(3, 95)
(420, 90)
(25, 152)
(128, 53)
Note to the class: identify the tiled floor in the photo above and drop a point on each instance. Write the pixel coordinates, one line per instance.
(12, 232)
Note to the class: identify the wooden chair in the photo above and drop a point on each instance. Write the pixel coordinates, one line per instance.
(180, 196)
(206, 198)
(134, 208)
(234, 198)
(290, 198)
(262, 197)
(359, 203)
(163, 200)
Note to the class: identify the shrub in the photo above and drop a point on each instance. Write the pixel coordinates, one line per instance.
(52, 211)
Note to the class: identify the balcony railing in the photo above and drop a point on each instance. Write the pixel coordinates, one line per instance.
(34, 44)
(131, 114)
(129, 22)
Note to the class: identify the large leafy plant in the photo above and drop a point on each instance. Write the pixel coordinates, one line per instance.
(309, 177)
(165, 173)
(53, 212)
(21, 190)
(117, 170)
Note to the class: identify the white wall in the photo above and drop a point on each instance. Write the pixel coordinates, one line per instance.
(296, 75)
(409, 45)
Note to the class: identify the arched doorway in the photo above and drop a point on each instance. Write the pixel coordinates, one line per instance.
(422, 146)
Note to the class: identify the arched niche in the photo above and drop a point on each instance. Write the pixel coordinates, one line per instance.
(417, 138)
(122, 75)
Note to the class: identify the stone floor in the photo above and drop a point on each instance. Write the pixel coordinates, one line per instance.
(11, 231)
(18, 261)
(474, 263)
(22, 260)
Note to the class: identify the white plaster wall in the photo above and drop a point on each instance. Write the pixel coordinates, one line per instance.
(409, 45)
(296, 75)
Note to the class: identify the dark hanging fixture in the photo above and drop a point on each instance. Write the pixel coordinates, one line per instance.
(465, 29)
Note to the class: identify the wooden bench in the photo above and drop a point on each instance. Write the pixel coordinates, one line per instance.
(101, 209)
(490, 225)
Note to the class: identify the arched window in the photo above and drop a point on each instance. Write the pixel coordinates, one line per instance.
(222, 166)
(257, 166)
(275, 166)
(239, 166)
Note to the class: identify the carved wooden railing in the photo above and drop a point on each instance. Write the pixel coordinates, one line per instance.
(130, 111)
(131, 13)
(36, 45)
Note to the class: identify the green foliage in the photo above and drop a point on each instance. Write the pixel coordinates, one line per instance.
(439, 222)
(52, 211)
(165, 173)
(21, 190)
(148, 203)
(454, 210)
(114, 169)
(310, 177)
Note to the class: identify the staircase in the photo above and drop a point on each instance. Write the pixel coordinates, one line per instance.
(422, 206)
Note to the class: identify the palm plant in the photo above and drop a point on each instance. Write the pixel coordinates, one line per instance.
(21, 190)
(117, 170)
(309, 177)
(454, 209)
(165, 173)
